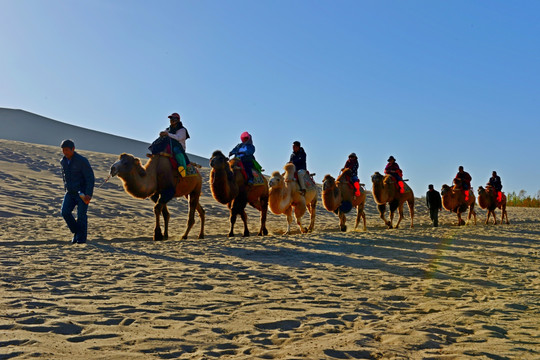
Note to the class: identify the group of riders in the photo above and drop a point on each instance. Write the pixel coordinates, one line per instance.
(173, 140)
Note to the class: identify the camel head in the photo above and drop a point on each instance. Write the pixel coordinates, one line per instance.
(481, 190)
(125, 164)
(328, 182)
(218, 160)
(445, 189)
(377, 177)
(276, 181)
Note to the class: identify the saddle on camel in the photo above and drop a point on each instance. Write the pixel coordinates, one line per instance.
(393, 169)
(458, 185)
(256, 171)
(165, 146)
(353, 183)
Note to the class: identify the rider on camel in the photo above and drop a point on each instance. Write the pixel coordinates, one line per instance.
(298, 158)
(495, 182)
(466, 179)
(352, 164)
(178, 135)
(244, 151)
(392, 168)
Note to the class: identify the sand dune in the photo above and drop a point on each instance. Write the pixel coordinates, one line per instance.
(423, 293)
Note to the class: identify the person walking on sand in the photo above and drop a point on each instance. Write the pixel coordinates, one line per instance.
(434, 204)
(78, 179)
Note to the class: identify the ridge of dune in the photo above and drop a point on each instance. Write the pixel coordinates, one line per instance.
(21, 125)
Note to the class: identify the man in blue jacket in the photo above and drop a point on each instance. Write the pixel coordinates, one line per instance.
(79, 185)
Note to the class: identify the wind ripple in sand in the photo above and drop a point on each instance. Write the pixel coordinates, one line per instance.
(408, 293)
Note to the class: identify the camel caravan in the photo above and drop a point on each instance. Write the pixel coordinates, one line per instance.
(238, 180)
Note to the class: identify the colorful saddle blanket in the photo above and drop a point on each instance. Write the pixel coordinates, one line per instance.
(308, 180)
(258, 178)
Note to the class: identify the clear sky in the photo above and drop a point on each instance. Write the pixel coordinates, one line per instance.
(436, 84)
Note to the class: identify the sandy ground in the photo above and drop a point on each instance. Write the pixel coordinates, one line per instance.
(424, 293)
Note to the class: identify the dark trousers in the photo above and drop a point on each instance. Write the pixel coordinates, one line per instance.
(434, 215)
(248, 167)
(78, 227)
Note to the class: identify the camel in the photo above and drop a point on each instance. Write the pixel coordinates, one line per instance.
(159, 181)
(229, 186)
(337, 192)
(285, 195)
(385, 191)
(487, 199)
(453, 199)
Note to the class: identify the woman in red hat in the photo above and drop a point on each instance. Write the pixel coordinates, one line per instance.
(244, 151)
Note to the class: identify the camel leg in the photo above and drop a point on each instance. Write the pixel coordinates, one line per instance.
(342, 221)
(299, 211)
(193, 202)
(487, 217)
(157, 230)
(264, 212)
(288, 215)
(460, 220)
(410, 204)
(358, 215)
(243, 216)
(166, 217)
(504, 213)
(364, 219)
(473, 213)
(400, 213)
(232, 221)
(237, 207)
(201, 212)
(382, 214)
(312, 207)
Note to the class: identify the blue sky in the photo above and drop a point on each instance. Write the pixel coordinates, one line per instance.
(436, 84)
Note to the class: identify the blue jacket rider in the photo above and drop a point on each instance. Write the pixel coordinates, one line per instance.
(244, 151)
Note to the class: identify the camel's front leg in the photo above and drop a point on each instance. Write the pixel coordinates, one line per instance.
(460, 220)
(157, 230)
(382, 214)
(288, 215)
(311, 208)
(342, 221)
(166, 217)
(232, 221)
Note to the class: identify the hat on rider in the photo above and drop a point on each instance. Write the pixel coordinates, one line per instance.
(245, 136)
(174, 116)
(353, 155)
(67, 144)
(296, 143)
(391, 158)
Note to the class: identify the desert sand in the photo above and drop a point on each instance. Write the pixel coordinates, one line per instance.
(424, 293)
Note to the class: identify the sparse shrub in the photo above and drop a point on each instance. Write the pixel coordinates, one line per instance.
(522, 199)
